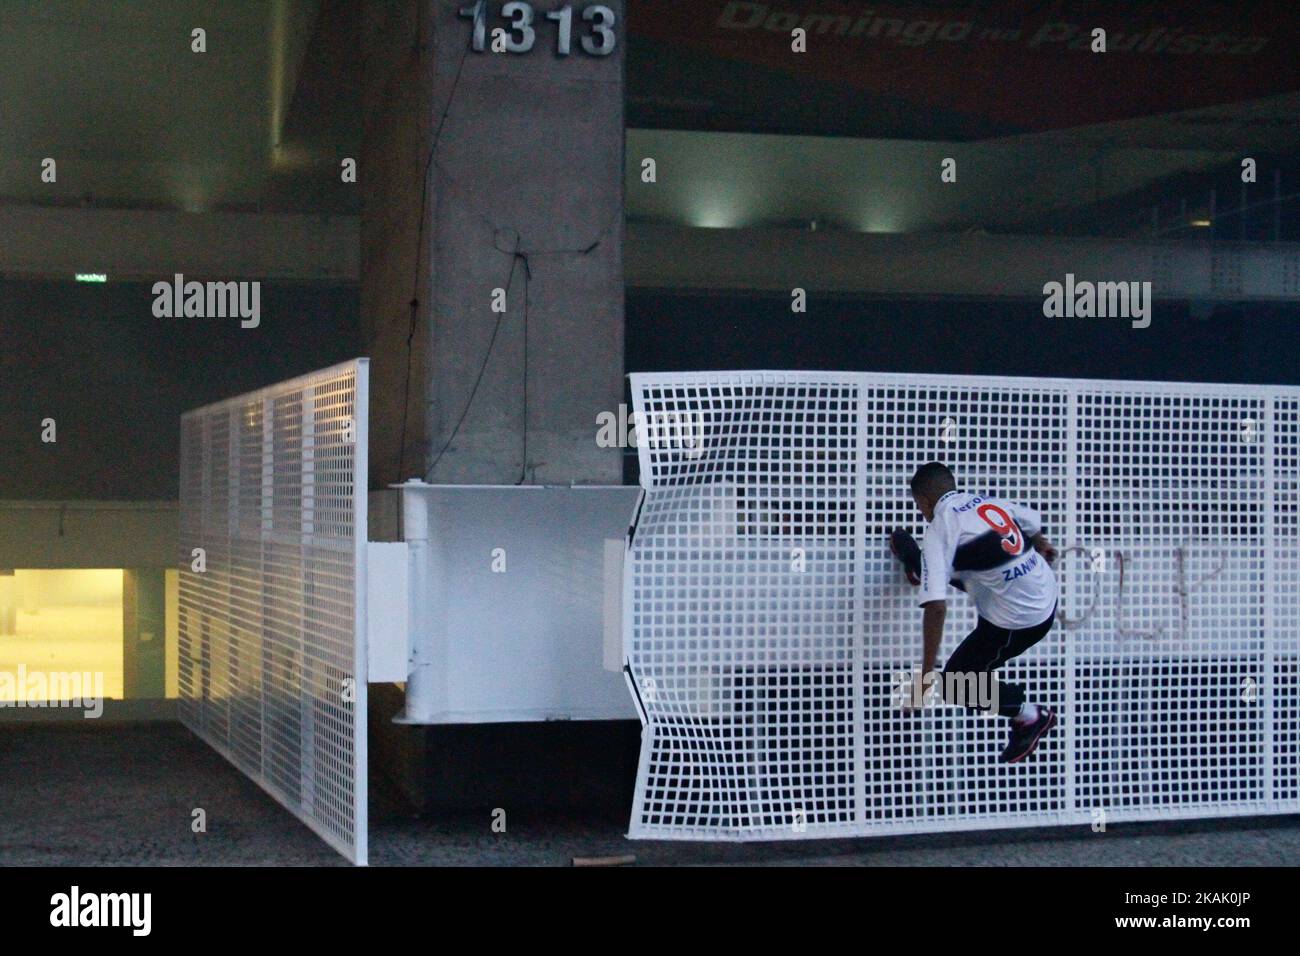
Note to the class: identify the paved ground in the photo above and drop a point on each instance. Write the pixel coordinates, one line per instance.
(83, 794)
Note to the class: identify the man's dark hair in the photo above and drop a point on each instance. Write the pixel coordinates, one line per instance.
(933, 479)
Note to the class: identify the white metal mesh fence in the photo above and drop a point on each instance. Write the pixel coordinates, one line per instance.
(767, 624)
(272, 637)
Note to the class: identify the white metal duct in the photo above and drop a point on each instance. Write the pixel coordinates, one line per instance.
(515, 586)
(766, 623)
(272, 630)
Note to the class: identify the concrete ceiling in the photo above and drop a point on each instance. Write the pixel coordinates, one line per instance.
(111, 90)
(739, 180)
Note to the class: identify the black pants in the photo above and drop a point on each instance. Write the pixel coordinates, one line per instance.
(984, 650)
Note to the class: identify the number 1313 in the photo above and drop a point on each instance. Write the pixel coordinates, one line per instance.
(597, 29)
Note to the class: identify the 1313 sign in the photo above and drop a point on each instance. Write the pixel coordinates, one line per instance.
(596, 31)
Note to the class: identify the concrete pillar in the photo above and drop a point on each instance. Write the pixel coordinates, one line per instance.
(30, 586)
(524, 153)
(144, 634)
(8, 601)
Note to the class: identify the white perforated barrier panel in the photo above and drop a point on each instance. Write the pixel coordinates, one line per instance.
(767, 624)
(272, 632)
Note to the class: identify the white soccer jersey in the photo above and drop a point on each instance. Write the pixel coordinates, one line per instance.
(984, 543)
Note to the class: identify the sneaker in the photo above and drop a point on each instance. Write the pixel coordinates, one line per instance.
(908, 552)
(1025, 738)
